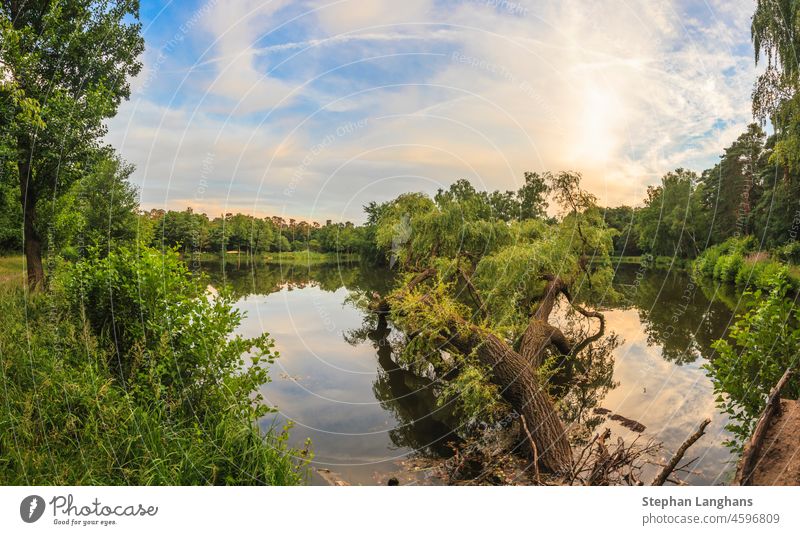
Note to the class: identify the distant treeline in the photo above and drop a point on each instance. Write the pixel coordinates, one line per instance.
(193, 232)
(747, 193)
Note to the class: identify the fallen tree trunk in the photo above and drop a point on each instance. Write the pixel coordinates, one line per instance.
(520, 387)
(540, 334)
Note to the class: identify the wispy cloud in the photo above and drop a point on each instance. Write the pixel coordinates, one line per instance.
(621, 90)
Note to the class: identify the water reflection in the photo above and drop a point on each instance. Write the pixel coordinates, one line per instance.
(668, 324)
(338, 380)
(675, 312)
(411, 399)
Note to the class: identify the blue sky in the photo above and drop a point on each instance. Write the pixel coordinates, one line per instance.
(310, 109)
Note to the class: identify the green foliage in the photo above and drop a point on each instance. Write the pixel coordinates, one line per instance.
(10, 218)
(65, 70)
(776, 221)
(486, 275)
(472, 394)
(533, 197)
(706, 263)
(775, 35)
(728, 266)
(673, 218)
(194, 234)
(134, 400)
(764, 342)
(736, 261)
(623, 220)
(99, 210)
(790, 252)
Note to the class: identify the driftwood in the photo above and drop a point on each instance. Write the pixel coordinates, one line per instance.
(332, 478)
(662, 476)
(752, 448)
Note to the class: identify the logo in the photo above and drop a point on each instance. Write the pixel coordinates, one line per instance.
(31, 508)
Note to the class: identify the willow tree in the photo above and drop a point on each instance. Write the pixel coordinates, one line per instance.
(478, 295)
(64, 69)
(776, 39)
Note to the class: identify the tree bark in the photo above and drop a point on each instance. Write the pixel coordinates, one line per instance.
(540, 333)
(32, 242)
(521, 388)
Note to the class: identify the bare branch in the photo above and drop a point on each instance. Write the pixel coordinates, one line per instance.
(665, 473)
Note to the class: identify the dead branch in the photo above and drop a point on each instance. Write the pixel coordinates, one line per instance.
(599, 464)
(533, 447)
(662, 476)
(473, 291)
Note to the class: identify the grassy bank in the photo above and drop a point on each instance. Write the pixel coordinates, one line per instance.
(309, 258)
(303, 258)
(165, 400)
(658, 262)
(12, 269)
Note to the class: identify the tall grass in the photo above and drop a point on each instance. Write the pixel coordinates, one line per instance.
(71, 414)
(12, 269)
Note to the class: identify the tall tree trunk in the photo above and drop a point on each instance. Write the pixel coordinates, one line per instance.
(32, 242)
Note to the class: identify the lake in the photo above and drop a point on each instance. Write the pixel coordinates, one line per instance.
(337, 382)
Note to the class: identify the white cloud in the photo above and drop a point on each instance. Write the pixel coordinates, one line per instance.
(348, 15)
(622, 91)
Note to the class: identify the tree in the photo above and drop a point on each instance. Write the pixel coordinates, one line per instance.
(108, 203)
(484, 291)
(672, 218)
(532, 197)
(65, 69)
(504, 205)
(733, 186)
(187, 230)
(623, 220)
(776, 34)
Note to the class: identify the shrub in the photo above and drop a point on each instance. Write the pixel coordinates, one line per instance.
(764, 342)
(132, 375)
(728, 266)
(790, 252)
(735, 261)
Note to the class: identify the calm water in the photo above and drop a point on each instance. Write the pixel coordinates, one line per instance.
(337, 381)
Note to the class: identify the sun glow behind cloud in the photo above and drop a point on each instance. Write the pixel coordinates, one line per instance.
(311, 109)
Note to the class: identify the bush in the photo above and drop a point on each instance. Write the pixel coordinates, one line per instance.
(790, 252)
(734, 261)
(765, 341)
(728, 266)
(131, 375)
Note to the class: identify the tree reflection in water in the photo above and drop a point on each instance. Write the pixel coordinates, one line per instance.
(682, 316)
(424, 425)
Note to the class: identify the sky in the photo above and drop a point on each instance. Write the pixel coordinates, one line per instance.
(310, 109)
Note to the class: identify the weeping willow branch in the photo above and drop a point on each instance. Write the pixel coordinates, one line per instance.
(473, 291)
